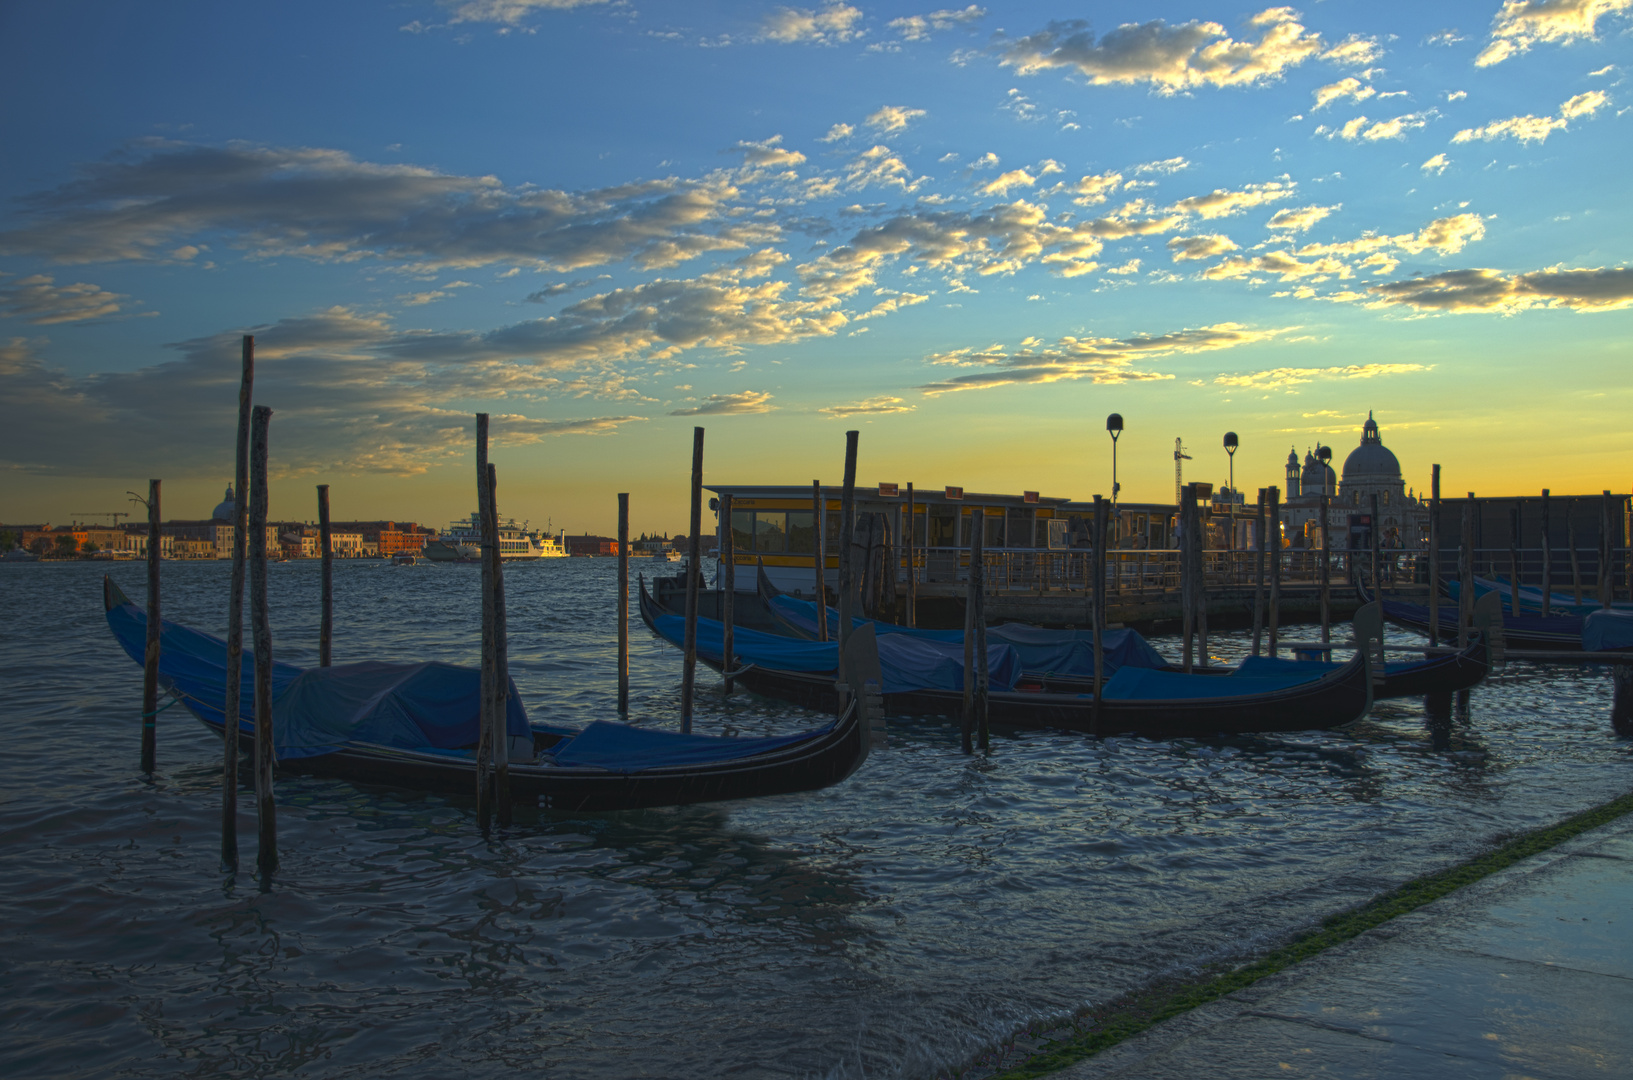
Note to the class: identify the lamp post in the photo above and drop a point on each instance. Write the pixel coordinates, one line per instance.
(1114, 426)
(1230, 506)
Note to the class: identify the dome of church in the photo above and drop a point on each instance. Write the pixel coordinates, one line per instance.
(224, 509)
(1371, 460)
(1316, 473)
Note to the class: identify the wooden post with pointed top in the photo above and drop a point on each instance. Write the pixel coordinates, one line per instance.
(1607, 580)
(623, 602)
(326, 622)
(1547, 559)
(1201, 594)
(266, 854)
(485, 717)
(819, 517)
(501, 662)
(155, 625)
(967, 716)
(235, 611)
(908, 541)
(1514, 558)
(1434, 558)
(1273, 540)
(694, 550)
(727, 580)
(1187, 575)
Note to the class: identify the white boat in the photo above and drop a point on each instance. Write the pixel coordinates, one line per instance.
(462, 542)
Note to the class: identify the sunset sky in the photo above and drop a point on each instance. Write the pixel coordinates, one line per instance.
(969, 232)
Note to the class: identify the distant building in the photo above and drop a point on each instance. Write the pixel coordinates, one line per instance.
(1370, 469)
(589, 545)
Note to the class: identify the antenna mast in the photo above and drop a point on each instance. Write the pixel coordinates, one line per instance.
(1180, 457)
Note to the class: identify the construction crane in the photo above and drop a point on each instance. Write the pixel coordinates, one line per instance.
(1180, 457)
(115, 514)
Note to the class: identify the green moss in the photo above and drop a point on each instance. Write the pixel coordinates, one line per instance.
(1128, 1016)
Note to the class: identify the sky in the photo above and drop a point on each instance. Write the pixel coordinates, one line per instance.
(969, 233)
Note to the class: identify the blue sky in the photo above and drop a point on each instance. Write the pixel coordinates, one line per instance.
(971, 232)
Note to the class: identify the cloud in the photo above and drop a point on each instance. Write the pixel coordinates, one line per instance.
(1537, 128)
(1199, 247)
(1132, 266)
(1523, 23)
(506, 12)
(1436, 164)
(1297, 220)
(879, 166)
(877, 406)
(1373, 130)
(1493, 292)
(1222, 203)
(326, 206)
(1001, 184)
(892, 119)
(832, 25)
(769, 154)
(745, 401)
(1284, 264)
(919, 27)
(1173, 58)
(1165, 167)
(345, 394)
(1102, 360)
(1318, 262)
(43, 302)
(893, 304)
(1350, 87)
(998, 240)
(1444, 236)
(838, 132)
(1094, 189)
(1283, 377)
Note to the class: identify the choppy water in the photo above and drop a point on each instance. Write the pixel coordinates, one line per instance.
(890, 927)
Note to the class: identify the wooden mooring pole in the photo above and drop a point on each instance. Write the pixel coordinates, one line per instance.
(819, 516)
(908, 542)
(1514, 558)
(235, 611)
(1377, 560)
(1465, 575)
(1607, 581)
(1273, 527)
(1547, 559)
(847, 542)
(1099, 628)
(266, 816)
(326, 622)
(1434, 557)
(501, 662)
(155, 626)
(977, 676)
(1326, 567)
(485, 718)
(623, 602)
(694, 568)
(1199, 558)
(1258, 576)
(727, 584)
(1621, 700)
(1187, 574)
(1576, 565)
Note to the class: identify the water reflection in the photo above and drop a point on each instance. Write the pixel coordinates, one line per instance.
(891, 926)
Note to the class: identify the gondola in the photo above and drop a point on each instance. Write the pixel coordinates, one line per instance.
(415, 726)
(1561, 633)
(1062, 660)
(1136, 701)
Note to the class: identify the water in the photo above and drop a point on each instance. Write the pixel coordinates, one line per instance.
(894, 926)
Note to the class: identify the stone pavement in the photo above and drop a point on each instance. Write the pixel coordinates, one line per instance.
(1527, 973)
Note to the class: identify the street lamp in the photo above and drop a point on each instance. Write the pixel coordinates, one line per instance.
(1114, 425)
(1230, 507)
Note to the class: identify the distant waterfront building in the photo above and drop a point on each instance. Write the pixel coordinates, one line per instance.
(1370, 469)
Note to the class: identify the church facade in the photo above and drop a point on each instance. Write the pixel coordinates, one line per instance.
(1370, 469)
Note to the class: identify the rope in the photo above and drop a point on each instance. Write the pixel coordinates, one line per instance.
(161, 708)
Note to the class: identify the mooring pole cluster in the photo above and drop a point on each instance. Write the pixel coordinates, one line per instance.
(235, 610)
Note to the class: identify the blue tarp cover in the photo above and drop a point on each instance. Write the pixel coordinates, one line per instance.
(1608, 630)
(407, 706)
(906, 663)
(1559, 601)
(1056, 652)
(1143, 684)
(621, 748)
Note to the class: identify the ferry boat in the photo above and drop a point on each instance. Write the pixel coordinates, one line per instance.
(462, 542)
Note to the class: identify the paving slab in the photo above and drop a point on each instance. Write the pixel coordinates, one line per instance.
(1527, 973)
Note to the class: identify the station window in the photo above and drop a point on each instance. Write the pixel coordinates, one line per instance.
(943, 526)
(801, 532)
